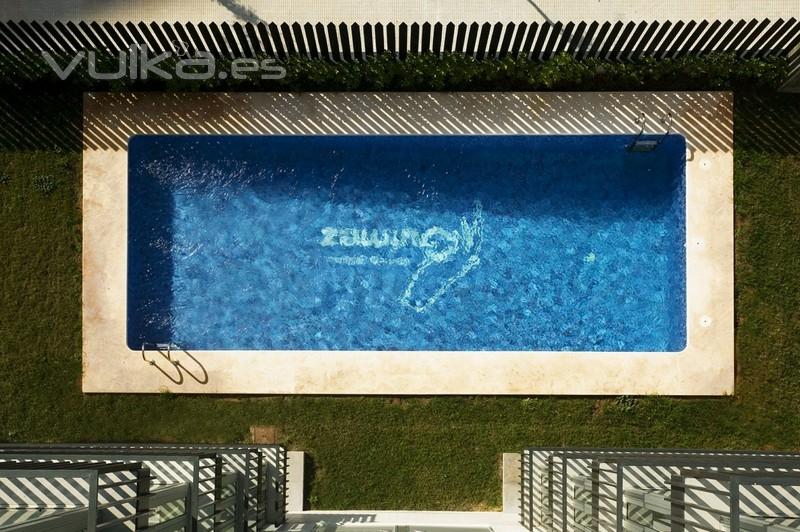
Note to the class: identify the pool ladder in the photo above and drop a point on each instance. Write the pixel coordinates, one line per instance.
(197, 372)
(643, 145)
(168, 347)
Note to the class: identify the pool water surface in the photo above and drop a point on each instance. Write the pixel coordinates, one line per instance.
(439, 243)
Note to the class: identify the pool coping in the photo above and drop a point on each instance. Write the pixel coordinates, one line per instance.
(705, 367)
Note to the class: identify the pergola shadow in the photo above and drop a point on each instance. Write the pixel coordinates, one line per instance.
(704, 118)
(768, 125)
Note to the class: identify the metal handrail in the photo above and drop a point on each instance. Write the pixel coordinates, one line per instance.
(173, 494)
(160, 348)
(168, 494)
(639, 144)
(660, 504)
(217, 496)
(547, 472)
(71, 520)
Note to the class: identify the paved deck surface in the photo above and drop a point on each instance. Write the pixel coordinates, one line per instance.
(393, 10)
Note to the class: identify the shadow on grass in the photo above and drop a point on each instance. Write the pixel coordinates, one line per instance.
(767, 122)
(43, 120)
(309, 475)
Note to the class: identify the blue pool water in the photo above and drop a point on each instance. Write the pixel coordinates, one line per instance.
(406, 243)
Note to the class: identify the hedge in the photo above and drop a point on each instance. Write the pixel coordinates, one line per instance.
(432, 72)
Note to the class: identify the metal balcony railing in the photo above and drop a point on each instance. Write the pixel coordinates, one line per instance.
(141, 487)
(619, 490)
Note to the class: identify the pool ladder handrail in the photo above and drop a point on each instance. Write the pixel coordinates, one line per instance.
(650, 145)
(666, 121)
(160, 348)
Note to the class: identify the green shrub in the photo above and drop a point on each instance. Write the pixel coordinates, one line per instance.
(434, 72)
(626, 403)
(44, 184)
(4, 179)
(563, 72)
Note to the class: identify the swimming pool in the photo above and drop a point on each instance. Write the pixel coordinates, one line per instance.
(413, 243)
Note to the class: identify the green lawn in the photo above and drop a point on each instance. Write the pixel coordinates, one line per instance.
(379, 452)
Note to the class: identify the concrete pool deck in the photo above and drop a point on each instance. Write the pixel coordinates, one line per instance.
(705, 367)
(392, 11)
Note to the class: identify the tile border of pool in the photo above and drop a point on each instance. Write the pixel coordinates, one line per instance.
(705, 367)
